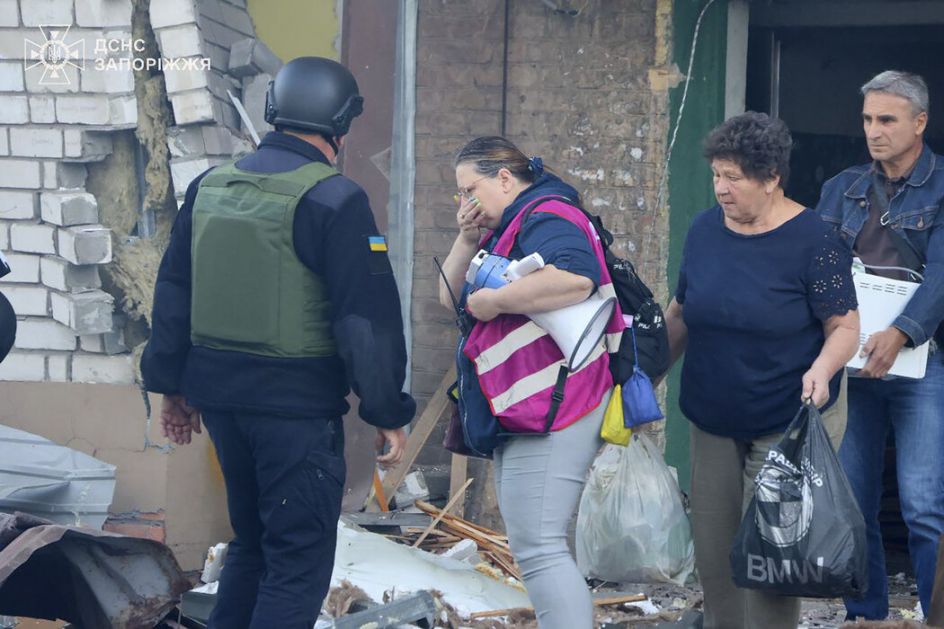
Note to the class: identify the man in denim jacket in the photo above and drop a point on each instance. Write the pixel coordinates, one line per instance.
(889, 212)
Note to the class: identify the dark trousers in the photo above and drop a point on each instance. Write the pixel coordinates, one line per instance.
(284, 479)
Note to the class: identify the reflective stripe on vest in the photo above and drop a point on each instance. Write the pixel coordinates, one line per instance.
(250, 291)
(517, 362)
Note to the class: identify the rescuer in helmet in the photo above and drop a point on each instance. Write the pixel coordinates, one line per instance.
(275, 298)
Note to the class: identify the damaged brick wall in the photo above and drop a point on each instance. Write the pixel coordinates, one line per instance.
(95, 151)
(61, 119)
(583, 91)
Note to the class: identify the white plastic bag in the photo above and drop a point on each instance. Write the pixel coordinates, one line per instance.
(632, 526)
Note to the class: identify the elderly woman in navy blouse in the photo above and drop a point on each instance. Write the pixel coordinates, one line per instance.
(765, 312)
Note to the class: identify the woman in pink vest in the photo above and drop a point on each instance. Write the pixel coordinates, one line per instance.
(510, 206)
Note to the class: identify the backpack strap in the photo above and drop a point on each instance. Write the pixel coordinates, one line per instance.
(909, 257)
(557, 397)
(606, 237)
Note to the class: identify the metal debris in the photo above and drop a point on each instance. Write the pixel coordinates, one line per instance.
(93, 579)
(48, 480)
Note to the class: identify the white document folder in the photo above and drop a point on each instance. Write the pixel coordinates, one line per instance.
(881, 300)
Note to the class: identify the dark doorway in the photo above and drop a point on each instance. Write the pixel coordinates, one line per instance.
(810, 77)
(806, 61)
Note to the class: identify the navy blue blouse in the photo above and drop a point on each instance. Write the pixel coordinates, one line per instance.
(754, 306)
(559, 241)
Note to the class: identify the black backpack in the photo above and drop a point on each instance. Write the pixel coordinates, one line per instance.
(635, 299)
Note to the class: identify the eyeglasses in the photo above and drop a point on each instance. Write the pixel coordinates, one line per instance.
(465, 193)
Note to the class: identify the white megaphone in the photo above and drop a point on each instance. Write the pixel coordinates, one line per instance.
(576, 329)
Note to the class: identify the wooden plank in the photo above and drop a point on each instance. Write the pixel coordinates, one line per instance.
(458, 472)
(379, 493)
(390, 519)
(442, 513)
(420, 432)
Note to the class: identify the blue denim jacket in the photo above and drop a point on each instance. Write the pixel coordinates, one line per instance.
(915, 213)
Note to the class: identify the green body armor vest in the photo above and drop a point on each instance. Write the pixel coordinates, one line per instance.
(250, 292)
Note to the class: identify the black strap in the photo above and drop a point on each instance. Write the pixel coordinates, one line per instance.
(909, 256)
(557, 397)
(606, 238)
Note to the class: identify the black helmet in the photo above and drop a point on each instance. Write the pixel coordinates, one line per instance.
(314, 94)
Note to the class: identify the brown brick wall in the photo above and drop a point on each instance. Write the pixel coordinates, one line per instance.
(578, 95)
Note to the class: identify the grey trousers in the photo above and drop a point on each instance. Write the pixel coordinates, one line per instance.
(723, 472)
(539, 480)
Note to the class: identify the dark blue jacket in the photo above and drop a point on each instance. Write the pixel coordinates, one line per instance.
(914, 213)
(332, 224)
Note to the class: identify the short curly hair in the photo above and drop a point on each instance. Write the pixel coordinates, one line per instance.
(758, 144)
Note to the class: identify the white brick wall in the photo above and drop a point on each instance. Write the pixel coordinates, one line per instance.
(91, 146)
(46, 12)
(192, 107)
(17, 204)
(36, 85)
(172, 12)
(86, 313)
(9, 13)
(70, 175)
(24, 268)
(185, 171)
(44, 334)
(92, 343)
(11, 76)
(85, 245)
(84, 109)
(28, 300)
(33, 238)
(19, 173)
(14, 109)
(181, 41)
(23, 367)
(50, 175)
(42, 109)
(182, 80)
(123, 111)
(65, 276)
(49, 224)
(57, 367)
(35, 142)
(103, 12)
(102, 369)
(69, 208)
(111, 81)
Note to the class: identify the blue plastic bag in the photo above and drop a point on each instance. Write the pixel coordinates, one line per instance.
(640, 405)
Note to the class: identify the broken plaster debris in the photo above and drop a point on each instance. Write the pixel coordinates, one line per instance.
(42, 478)
(376, 565)
(216, 557)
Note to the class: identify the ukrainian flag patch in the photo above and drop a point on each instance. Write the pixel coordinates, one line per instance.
(377, 243)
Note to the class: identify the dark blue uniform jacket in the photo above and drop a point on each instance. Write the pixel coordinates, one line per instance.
(332, 225)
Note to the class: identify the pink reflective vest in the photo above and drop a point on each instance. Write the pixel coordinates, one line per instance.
(517, 362)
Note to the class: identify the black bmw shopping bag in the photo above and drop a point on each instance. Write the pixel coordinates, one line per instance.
(803, 533)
